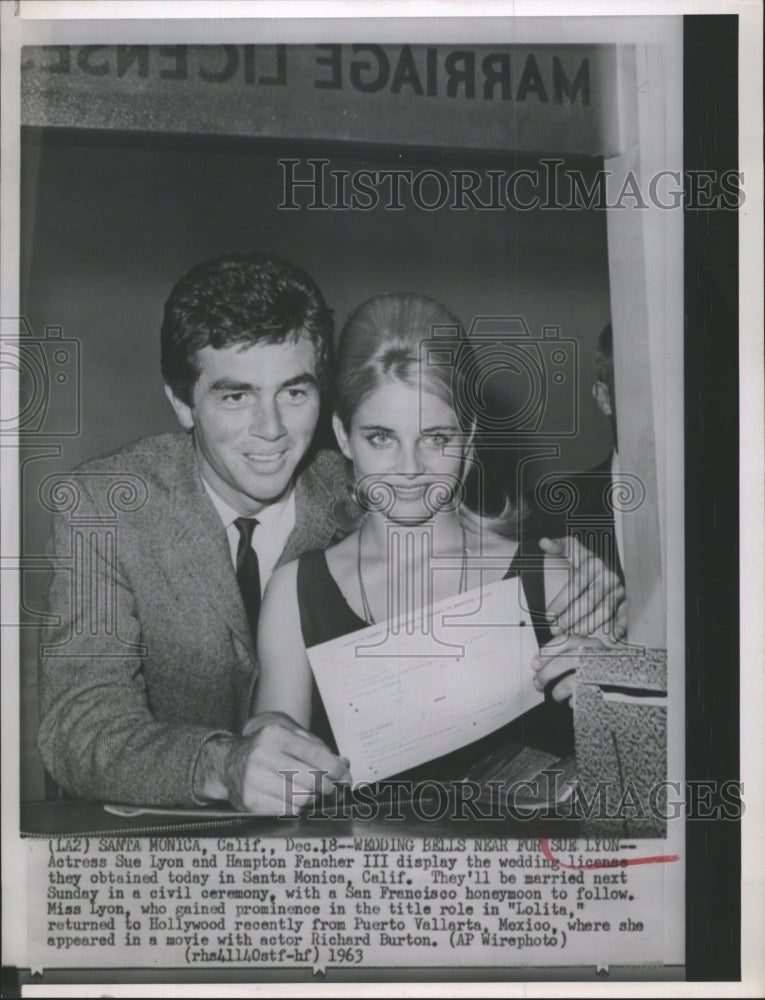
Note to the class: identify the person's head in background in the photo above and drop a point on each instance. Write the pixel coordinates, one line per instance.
(603, 389)
(246, 353)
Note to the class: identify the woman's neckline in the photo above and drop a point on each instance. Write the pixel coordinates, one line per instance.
(352, 541)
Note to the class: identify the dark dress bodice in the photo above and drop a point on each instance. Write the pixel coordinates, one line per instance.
(325, 615)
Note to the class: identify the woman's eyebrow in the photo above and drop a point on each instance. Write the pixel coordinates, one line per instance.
(439, 428)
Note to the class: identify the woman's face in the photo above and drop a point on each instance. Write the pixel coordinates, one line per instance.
(409, 443)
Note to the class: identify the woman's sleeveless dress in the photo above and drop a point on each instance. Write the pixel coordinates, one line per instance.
(325, 614)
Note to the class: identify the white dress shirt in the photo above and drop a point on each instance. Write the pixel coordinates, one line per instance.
(275, 523)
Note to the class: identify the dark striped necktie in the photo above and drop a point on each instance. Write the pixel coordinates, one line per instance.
(248, 572)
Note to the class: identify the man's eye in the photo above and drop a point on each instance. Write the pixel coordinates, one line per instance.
(233, 400)
(295, 395)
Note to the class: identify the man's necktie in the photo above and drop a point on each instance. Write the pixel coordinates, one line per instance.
(248, 572)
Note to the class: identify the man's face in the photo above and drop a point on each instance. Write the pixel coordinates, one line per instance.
(254, 412)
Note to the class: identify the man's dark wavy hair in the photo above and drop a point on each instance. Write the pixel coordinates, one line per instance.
(245, 299)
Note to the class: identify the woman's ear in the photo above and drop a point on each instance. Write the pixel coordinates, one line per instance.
(342, 437)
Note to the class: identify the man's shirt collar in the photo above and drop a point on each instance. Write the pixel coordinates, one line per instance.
(269, 515)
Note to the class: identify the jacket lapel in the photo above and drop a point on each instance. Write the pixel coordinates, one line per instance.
(315, 524)
(199, 549)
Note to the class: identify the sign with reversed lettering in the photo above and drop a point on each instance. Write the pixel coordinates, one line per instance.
(545, 98)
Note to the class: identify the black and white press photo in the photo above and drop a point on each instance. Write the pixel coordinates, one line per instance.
(357, 609)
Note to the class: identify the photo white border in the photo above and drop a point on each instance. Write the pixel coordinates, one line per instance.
(323, 22)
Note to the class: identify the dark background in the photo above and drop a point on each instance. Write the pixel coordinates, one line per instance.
(111, 221)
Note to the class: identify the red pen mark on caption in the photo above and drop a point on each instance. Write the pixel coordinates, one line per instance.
(658, 859)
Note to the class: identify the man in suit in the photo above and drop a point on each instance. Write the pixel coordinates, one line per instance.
(162, 549)
(150, 671)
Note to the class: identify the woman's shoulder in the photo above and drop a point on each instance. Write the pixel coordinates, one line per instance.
(313, 558)
(282, 579)
(341, 549)
(307, 572)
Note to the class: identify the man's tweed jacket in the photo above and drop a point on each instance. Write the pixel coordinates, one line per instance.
(152, 653)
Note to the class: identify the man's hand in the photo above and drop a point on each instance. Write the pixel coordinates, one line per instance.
(249, 770)
(560, 660)
(593, 600)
